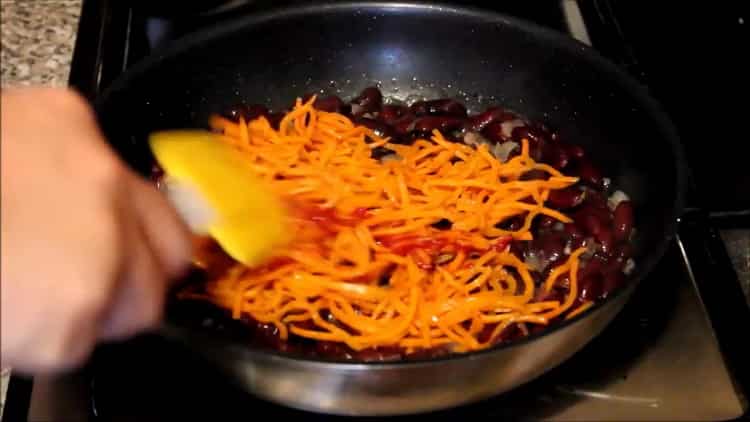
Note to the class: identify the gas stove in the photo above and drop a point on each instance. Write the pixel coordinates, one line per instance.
(674, 353)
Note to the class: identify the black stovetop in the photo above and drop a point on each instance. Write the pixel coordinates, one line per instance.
(689, 62)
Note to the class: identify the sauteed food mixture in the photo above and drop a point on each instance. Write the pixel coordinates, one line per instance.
(419, 230)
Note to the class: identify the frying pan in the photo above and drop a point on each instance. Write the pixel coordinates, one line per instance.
(411, 51)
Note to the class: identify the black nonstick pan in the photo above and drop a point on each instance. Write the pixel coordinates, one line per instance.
(410, 51)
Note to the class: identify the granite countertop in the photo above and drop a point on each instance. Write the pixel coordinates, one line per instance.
(37, 41)
(38, 37)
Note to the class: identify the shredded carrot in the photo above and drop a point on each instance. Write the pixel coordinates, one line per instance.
(366, 267)
(585, 306)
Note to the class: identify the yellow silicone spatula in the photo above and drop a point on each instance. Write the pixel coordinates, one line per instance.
(217, 194)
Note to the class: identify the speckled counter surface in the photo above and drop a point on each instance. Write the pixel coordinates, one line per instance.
(37, 45)
(37, 41)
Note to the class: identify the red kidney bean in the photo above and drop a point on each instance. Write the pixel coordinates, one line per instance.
(590, 287)
(420, 108)
(589, 221)
(247, 112)
(551, 245)
(381, 129)
(545, 221)
(623, 220)
(593, 266)
(519, 248)
(553, 294)
(485, 333)
(591, 224)
(368, 101)
(589, 174)
(442, 107)
(575, 151)
(404, 124)
(512, 333)
(454, 108)
(427, 124)
(556, 156)
(330, 348)
(266, 334)
(491, 115)
(566, 198)
(431, 353)
(391, 113)
(610, 264)
(573, 231)
(537, 142)
(522, 132)
(528, 200)
(380, 354)
(563, 282)
(577, 243)
(332, 104)
(266, 330)
(494, 132)
(532, 174)
(532, 133)
(602, 214)
(606, 240)
(597, 200)
(456, 136)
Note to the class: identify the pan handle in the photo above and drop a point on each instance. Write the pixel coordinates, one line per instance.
(713, 274)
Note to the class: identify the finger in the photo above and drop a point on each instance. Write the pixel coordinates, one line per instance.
(139, 298)
(166, 232)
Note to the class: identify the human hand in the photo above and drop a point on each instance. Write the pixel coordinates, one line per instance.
(88, 247)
